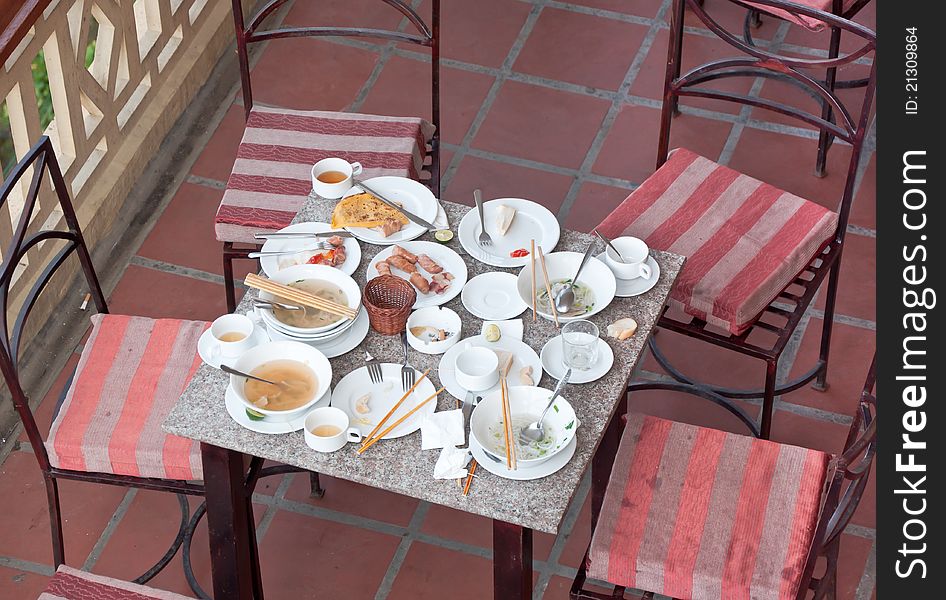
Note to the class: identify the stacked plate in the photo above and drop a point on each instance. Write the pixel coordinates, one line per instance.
(329, 337)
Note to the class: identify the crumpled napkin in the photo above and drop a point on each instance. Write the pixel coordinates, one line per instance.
(442, 429)
(440, 222)
(451, 464)
(511, 328)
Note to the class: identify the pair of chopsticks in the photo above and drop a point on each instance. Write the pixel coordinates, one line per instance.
(299, 297)
(548, 284)
(507, 426)
(374, 435)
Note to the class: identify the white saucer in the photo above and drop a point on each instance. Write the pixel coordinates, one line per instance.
(493, 296)
(539, 471)
(553, 355)
(237, 411)
(342, 344)
(639, 285)
(522, 355)
(206, 343)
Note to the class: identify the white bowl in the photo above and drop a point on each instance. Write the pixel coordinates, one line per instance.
(526, 403)
(434, 316)
(562, 265)
(271, 351)
(310, 272)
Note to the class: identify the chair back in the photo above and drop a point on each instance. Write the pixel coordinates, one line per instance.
(848, 475)
(38, 162)
(754, 62)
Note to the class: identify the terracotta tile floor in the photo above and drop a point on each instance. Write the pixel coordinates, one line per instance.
(549, 100)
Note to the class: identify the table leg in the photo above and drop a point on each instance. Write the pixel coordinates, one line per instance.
(603, 460)
(229, 524)
(512, 561)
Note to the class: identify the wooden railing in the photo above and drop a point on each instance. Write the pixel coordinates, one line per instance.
(110, 117)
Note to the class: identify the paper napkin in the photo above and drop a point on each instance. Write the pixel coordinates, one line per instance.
(511, 328)
(442, 429)
(452, 463)
(440, 222)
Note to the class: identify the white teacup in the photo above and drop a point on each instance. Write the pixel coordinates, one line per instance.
(227, 331)
(327, 429)
(634, 252)
(477, 368)
(335, 187)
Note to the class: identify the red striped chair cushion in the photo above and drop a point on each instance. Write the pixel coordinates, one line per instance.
(744, 240)
(72, 584)
(132, 371)
(803, 20)
(692, 512)
(272, 174)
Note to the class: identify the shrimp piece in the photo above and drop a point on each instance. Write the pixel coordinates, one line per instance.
(361, 405)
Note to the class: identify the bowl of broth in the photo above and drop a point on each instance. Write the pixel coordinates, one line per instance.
(302, 375)
(594, 289)
(311, 323)
(526, 403)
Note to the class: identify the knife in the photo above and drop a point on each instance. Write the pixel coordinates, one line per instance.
(405, 212)
(301, 234)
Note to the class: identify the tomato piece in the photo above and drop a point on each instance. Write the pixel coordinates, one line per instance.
(322, 257)
(519, 253)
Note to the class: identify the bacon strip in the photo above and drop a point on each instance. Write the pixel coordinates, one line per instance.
(420, 283)
(399, 262)
(399, 251)
(383, 267)
(428, 264)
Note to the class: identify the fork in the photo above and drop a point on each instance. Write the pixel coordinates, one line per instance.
(374, 368)
(484, 238)
(319, 246)
(407, 371)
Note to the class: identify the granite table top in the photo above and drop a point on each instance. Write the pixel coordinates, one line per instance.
(400, 465)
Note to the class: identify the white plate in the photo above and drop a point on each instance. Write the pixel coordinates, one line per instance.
(522, 355)
(533, 222)
(273, 264)
(342, 344)
(442, 255)
(237, 411)
(357, 383)
(274, 328)
(627, 288)
(412, 195)
(493, 296)
(553, 355)
(543, 469)
(206, 344)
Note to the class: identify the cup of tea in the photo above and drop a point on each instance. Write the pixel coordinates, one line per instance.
(233, 334)
(477, 368)
(634, 253)
(327, 429)
(332, 177)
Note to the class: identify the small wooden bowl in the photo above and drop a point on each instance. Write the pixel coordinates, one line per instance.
(388, 300)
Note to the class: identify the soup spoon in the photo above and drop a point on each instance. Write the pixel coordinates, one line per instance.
(534, 432)
(565, 298)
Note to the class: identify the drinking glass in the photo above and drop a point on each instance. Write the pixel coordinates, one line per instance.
(580, 344)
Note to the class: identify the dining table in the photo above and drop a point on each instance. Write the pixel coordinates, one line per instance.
(516, 508)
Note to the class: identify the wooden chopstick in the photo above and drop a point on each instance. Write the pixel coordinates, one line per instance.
(299, 297)
(399, 421)
(394, 408)
(507, 418)
(532, 260)
(469, 477)
(548, 286)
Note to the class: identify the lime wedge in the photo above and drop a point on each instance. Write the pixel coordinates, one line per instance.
(443, 235)
(254, 416)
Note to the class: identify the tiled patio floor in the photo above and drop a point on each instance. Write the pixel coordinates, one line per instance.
(548, 100)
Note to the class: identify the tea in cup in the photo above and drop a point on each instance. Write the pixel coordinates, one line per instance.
(233, 334)
(634, 253)
(327, 429)
(332, 177)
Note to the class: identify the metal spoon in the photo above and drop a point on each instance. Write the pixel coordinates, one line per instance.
(565, 297)
(282, 305)
(232, 371)
(534, 432)
(610, 245)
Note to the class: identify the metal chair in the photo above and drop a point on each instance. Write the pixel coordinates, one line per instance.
(756, 255)
(733, 516)
(846, 9)
(107, 426)
(272, 202)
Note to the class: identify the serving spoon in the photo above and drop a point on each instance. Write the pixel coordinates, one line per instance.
(565, 298)
(534, 432)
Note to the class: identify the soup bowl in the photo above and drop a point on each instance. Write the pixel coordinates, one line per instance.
(273, 351)
(329, 275)
(562, 265)
(526, 403)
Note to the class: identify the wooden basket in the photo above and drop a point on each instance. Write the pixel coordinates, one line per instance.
(388, 300)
